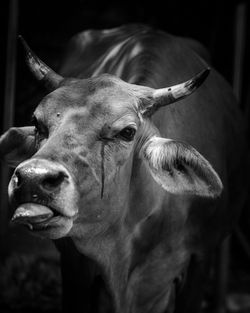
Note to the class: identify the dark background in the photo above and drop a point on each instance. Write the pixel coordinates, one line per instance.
(48, 25)
(29, 272)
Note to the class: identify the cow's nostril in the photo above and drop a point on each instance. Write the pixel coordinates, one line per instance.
(53, 181)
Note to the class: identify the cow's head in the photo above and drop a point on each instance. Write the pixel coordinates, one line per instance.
(74, 166)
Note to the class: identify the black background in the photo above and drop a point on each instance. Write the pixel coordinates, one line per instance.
(47, 25)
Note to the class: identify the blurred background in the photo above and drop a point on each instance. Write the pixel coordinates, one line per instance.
(29, 267)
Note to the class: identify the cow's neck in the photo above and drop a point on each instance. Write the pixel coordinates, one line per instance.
(120, 250)
(119, 254)
(110, 251)
(126, 262)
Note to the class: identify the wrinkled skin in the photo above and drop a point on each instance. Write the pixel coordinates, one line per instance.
(144, 209)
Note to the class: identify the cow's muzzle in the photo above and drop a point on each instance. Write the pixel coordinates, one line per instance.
(43, 176)
(42, 193)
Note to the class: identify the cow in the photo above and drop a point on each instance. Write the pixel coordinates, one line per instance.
(135, 190)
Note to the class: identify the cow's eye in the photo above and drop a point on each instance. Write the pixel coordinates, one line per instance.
(127, 133)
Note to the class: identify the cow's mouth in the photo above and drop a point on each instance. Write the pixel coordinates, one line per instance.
(36, 216)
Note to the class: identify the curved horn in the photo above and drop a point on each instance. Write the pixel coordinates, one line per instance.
(165, 96)
(41, 71)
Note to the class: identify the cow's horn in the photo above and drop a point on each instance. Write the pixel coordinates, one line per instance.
(166, 96)
(41, 71)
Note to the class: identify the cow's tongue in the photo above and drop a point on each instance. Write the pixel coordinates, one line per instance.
(31, 213)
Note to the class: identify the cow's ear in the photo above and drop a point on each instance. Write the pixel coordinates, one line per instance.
(17, 145)
(180, 169)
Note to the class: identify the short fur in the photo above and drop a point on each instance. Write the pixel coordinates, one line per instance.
(149, 244)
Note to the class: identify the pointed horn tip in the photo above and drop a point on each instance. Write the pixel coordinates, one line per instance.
(198, 79)
(202, 75)
(24, 43)
(20, 37)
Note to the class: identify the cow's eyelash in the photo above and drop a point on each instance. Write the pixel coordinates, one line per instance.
(125, 134)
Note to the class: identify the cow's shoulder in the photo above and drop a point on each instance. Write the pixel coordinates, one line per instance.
(125, 51)
(92, 52)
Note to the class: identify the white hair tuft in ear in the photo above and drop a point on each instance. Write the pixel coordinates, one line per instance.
(181, 169)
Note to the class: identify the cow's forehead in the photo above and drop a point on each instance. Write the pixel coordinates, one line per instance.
(104, 95)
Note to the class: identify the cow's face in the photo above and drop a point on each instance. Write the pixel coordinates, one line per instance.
(75, 165)
(85, 135)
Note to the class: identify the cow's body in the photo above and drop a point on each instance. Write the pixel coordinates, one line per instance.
(153, 255)
(209, 120)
